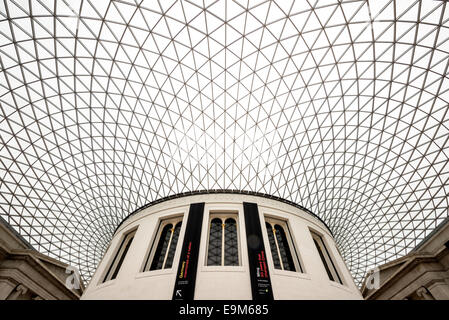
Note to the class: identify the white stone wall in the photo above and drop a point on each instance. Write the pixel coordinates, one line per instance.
(214, 282)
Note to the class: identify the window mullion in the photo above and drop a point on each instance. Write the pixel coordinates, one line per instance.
(222, 242)
(277, 248)
(168, 246)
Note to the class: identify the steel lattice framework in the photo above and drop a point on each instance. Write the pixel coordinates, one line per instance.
(339, 106)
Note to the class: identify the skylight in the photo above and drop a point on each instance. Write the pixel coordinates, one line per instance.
(339, 106)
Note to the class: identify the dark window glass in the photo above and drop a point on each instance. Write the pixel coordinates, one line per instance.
(329, 273)
(215, 240)
(274, 250)
(173, 243)
(159, 255)
(284, 249)
(115, 266)
(231, 254)
(122, 257)
(326, 258)
(282, 254)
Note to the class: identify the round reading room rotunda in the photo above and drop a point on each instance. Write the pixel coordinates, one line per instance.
(222, 245)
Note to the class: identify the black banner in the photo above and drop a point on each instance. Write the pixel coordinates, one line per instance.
(188, 261)
(258, 267)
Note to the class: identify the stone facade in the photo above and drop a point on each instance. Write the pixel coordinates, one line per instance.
(423, 274)
(26, 274)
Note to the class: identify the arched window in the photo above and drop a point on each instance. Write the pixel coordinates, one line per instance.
(172, 250)
(215, 243)
(231, 250)
(325, 257)
(281, 245)
(119, 257)
(161, 249)
(163, 253)
(223, 244)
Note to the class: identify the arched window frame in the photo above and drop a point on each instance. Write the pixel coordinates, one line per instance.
(272, 221)
(173, 221)
(119, 255)
(223, 217)
(326, 257)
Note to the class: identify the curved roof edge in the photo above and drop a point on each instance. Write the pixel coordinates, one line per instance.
(223, 191)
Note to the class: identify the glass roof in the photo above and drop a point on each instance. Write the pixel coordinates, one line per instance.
(339, 106)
